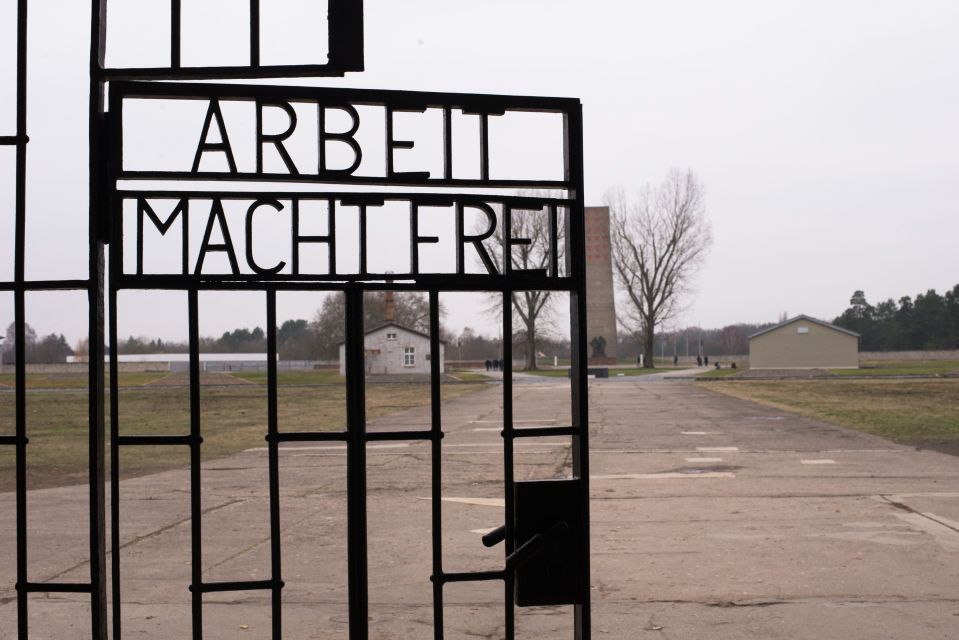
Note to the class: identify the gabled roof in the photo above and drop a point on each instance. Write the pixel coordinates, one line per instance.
(398, 326)
(806, 318)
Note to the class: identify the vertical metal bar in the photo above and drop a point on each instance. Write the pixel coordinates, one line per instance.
(254, 33)
(363, 256)
(116, 268)
(175, 27)
(576, 267)
(553, 241)
(21, 432)
(274, 461)
(196, 439)
(19, 319)
(508, 595)
(98, 571)
(436, 453)
(357, 569)
(331, 232)
(388, 129)
(98, 154)
(414, 232)
(507, 247)
(96, 350)
(21, 148)
(114, 454)
(346, 34)
(448, 143)
(484, 145)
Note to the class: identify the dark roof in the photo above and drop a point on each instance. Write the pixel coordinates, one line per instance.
(801, 316)
(398, 326)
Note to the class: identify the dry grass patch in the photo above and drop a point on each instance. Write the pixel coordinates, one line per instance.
(919, 413)
(233, 419)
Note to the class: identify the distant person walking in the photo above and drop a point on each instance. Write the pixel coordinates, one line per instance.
(699, 361)
(675, 359)
(706, 360)
(489, 365)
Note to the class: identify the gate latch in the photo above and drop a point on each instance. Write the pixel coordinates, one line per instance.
(550, 546)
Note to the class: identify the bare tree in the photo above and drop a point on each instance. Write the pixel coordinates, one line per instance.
(531, 308)
(659, 240)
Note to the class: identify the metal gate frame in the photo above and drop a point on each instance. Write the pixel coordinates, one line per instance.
(105, 225)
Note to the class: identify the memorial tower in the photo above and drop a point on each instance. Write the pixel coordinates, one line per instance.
(600, 297)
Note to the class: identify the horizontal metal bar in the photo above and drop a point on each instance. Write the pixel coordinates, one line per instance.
(540, 432)
(368, 282)
(472, 102)
(13, 140)
(58, 587)
(146, 441)
(44, 285)
(312, 178)
(402, 435)
(14, 440)
(471, 576)
(310, 436)
(248, 585)
(420, 197)
(227, 72)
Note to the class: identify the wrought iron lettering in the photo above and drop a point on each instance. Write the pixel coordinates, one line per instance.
(229, 214)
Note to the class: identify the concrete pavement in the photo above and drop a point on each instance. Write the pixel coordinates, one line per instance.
(711, 518)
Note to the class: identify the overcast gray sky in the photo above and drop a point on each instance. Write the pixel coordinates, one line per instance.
(826, 134)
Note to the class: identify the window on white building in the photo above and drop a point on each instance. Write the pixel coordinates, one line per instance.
(409, 356)
(391, 336)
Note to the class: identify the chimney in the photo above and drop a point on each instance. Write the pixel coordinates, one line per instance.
(388, 298)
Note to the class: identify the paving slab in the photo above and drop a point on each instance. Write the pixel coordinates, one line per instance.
(711, 518)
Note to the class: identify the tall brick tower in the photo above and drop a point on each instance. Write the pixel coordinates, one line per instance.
(600, 299)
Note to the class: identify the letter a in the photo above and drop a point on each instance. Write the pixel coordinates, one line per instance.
(218, 217)
(223, 146)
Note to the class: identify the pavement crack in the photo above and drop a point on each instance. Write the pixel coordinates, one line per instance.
(722, 604)
(905, 507)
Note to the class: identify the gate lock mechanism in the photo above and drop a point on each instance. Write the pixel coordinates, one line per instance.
(550, 543)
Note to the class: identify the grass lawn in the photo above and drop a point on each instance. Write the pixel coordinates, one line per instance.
(79, 381)
(233, 419)
(468, 376)
(919, 413)
(901, 368)
(299, 376)
(548, 373)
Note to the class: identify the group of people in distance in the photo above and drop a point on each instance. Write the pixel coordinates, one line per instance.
(494, 365)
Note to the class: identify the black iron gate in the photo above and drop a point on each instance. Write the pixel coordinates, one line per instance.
(546, 559)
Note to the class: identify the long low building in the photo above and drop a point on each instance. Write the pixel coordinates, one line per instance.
(179, 357)
(804, 342)
(181, 361)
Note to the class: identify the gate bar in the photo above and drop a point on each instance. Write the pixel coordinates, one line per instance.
(115, 441)
(576, 265)
(19, 320)
(98, 154)
(507, 433)
(276, 584)
(195, 505)
(357, 568)
(436, 459)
